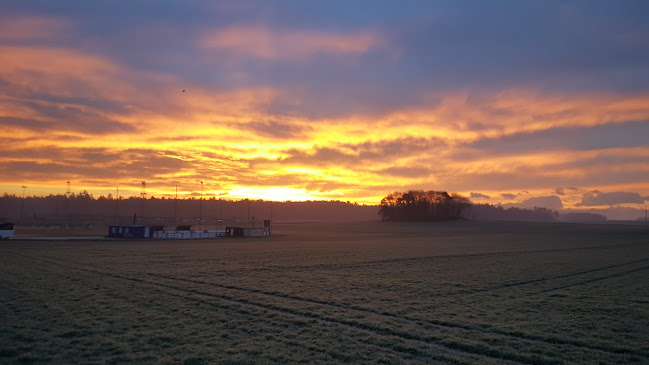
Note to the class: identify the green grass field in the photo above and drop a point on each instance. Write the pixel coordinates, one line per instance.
(457, 292)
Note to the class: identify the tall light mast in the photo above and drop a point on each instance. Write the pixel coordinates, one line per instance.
(22, 203)
(176, 207)
(200, 209)
(143, 197)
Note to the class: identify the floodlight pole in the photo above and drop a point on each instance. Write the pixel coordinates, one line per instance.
(22, 203)
(200, 209)
(176, 207)
(220, 213)
(116, 203)
(143, 194)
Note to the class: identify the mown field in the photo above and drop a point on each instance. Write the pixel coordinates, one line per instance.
(459, 292)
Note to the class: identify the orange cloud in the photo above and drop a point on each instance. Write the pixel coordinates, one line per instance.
(468, 117)
(271, 44)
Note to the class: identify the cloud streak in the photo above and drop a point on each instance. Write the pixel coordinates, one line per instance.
(284, 44)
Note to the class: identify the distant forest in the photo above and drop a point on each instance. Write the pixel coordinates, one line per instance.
(537, 214)
(83, 209)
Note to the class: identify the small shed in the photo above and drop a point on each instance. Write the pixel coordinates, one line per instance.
(130, 231)
(246, 232)
(6, 230)
(233, 231)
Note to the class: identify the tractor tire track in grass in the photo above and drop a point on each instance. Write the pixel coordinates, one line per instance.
(585, 282)
(454, 345)
(368, 263)
(548, 340)
(441, 324)
(417, 351)
(207, 299)
(89, 279)
(565, 276)
(263, 299)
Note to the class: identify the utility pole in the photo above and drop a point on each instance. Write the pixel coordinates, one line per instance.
(200, 209)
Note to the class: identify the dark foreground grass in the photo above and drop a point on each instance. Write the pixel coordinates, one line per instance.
(459, 292)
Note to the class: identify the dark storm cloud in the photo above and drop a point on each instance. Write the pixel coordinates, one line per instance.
(611, 198)
(508, 196)
(559, 191)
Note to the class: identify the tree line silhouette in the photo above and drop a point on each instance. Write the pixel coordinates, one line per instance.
(84, 209)
(420, 205)
(493, 212)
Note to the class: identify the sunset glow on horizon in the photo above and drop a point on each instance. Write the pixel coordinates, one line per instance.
(280, 102)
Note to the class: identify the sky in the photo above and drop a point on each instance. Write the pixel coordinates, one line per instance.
(526, 103)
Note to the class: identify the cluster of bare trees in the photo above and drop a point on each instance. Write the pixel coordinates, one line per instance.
(419, 205)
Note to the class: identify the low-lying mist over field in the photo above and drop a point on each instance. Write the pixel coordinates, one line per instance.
(370, 292)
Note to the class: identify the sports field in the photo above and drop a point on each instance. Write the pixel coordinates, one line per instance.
(457, 292)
